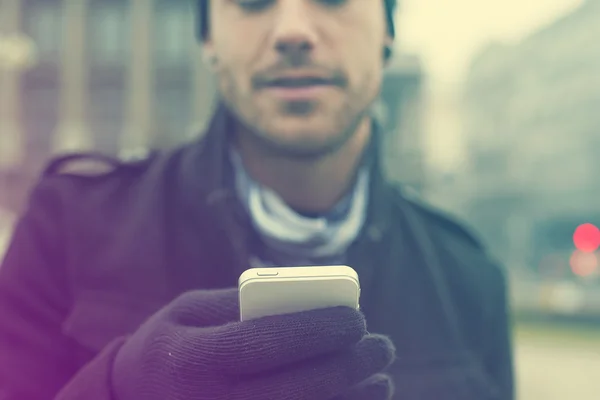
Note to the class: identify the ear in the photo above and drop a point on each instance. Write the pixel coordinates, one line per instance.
(388, 49)
(209, 55)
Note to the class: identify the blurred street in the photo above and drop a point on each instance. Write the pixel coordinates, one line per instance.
(554, 365)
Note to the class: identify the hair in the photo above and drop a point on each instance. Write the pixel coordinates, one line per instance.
(203, 28)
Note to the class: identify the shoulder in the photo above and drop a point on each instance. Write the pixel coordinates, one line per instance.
(96, 165)
(79, 181)
(444, 223)
(475, 277)
(462, 250)
(92, 172)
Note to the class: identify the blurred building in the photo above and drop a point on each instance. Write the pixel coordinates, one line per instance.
(532, 121)
(122, 75)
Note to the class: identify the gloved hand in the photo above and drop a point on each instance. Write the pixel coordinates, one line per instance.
(190, 350)
(377, 387)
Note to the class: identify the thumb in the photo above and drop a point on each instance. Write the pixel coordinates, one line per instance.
(204, 308)
(377, 387)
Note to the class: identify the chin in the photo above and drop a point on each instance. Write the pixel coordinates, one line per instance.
(300, 130)
(300, 139)
(317, 131)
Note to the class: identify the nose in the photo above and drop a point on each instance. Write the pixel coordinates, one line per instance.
(294, 31)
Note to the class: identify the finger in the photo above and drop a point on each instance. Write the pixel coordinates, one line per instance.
(262, 344)
(323, 378)
(377, 387)
(204, 308)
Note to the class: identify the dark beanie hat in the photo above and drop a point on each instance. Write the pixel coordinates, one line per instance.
(202, 17)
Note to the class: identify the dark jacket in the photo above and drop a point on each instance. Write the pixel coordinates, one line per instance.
(101, 248)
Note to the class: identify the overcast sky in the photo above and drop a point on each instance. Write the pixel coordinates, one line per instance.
(447, 33)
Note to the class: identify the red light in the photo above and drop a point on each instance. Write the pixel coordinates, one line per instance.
(584, 264)
(587, 238)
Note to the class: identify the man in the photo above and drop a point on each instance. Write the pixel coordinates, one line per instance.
(118, 283)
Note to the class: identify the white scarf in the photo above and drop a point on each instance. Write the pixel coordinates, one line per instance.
(296, 238)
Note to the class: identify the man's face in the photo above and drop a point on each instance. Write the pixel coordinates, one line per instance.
(300, 74)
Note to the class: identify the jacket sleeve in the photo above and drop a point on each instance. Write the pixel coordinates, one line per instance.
(92, 382)
(498, 353)
(36, 359)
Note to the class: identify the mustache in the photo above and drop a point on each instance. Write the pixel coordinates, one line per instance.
(284, 68)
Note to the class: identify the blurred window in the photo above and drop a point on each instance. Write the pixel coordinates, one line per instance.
(174, 30)
(109, 34)
(45, 27)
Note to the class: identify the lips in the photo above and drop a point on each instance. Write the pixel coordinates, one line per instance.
(299, 88)
(298, 82)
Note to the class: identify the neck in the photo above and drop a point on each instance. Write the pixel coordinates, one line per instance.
(311, 185)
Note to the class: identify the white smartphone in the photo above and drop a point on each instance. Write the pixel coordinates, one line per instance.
(283, 290)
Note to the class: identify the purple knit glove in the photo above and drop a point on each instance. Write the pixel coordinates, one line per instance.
(190, 350)
(377, 387)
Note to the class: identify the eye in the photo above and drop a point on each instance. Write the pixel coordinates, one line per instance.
(333, 3)
(254, 5)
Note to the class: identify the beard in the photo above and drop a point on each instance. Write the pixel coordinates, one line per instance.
(271, 143)
(334, 127)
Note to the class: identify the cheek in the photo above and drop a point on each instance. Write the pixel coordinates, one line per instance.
(364, 48)
(239, 58)
(365, 65)
(233, 71)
